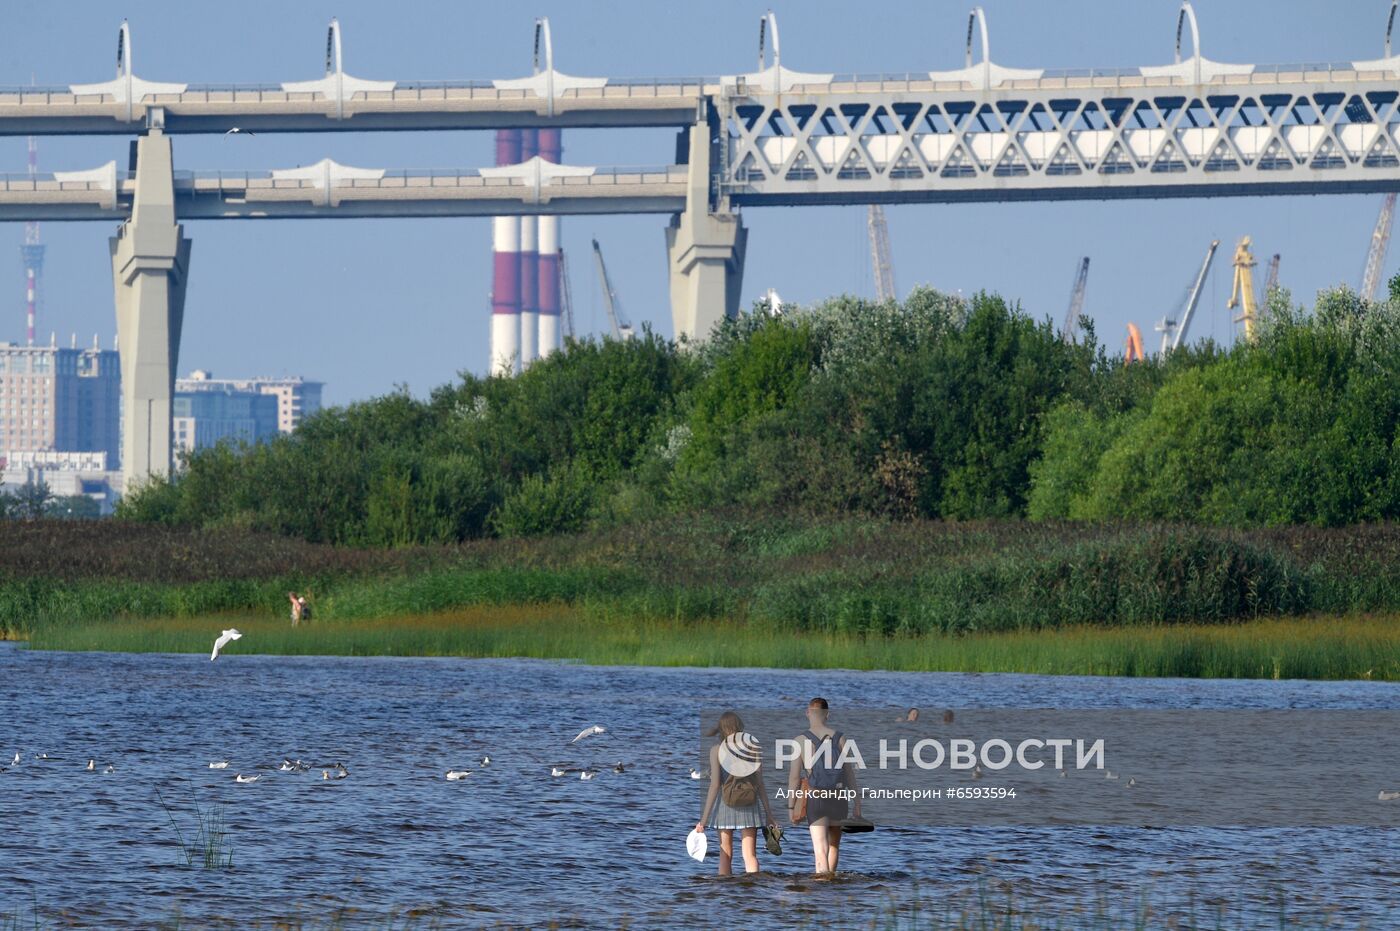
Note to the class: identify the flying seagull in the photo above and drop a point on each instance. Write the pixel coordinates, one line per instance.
(239, 131)
(224, 638)
(588, 732)
(454, 775)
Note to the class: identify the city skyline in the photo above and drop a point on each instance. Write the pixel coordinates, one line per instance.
(367, 305)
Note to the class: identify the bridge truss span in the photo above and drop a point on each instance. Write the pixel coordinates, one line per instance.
(1272, 132)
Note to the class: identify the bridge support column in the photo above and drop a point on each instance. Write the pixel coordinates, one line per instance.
(150, 260)
(704, 250)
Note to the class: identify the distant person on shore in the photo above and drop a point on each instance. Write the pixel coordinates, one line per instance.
(912, 716)
(738, 789)
(301, 611)
(827, 782)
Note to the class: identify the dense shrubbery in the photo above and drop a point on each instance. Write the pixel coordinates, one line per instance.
(936, 408)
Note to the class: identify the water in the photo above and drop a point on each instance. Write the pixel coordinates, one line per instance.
(512, 846)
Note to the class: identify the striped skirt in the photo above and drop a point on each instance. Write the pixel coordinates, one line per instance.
(728, 818)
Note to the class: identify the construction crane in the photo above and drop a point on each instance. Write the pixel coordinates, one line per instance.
(1173, 332)
(566, 294)
(1271, 280)
(1076, 300)
(880, 260)
(621, 329)
(1242, 290)
(774, 301)
(1380, 244)
(1132, 351)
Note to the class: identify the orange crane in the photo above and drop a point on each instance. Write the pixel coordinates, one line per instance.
(1132, 352)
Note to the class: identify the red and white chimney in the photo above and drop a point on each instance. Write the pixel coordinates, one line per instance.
(506, 272)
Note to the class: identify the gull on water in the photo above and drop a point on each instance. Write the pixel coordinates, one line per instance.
(109, 770)
(696, 774)
(587, 773)
(242, 778)
(15, 761)
(589, 732)
(619, 768)
(221, 764)
(1389, 796)
(326, 774)
(556, 772)
(92, 766)
(224, 638)
(485, 761)
(455, 775)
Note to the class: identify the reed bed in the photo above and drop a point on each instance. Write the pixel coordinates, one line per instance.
(720, 589)
(1315, 647)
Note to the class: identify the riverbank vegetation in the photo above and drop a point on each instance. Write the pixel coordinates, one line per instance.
(857, 592)
(1353, 647)
(936, 468)
(936, 408)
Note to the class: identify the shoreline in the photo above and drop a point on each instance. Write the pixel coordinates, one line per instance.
(1335, 648)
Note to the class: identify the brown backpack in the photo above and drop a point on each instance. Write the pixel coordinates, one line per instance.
(738, 793)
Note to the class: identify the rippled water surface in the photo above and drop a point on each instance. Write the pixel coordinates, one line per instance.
(512, 846)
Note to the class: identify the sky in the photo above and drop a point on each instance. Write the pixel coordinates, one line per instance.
(368, 305)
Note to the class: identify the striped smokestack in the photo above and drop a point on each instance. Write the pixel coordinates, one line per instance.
(550, 147)
(505, 283)
(529, 265)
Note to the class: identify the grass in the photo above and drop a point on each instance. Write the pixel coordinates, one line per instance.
(1350, 647)
(716, 589)
(210, 847)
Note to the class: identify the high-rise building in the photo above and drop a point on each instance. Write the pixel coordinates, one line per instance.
(297, 398)
(213, 415)
(61, 400)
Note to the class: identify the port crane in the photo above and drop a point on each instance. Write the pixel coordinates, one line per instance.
(1173, 332)
(1132, 352)
(621, 329)
(566, 294)
(880, 261)
(1242, 290)
(1076, 300)
(1271, 280)
(1380, 245)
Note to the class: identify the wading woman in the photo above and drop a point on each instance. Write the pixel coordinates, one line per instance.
(818, 784)
(738, 799)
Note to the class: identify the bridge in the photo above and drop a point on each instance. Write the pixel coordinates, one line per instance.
(772, 137)
(328, 190)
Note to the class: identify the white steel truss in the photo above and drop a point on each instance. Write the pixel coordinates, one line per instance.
(890, 145)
